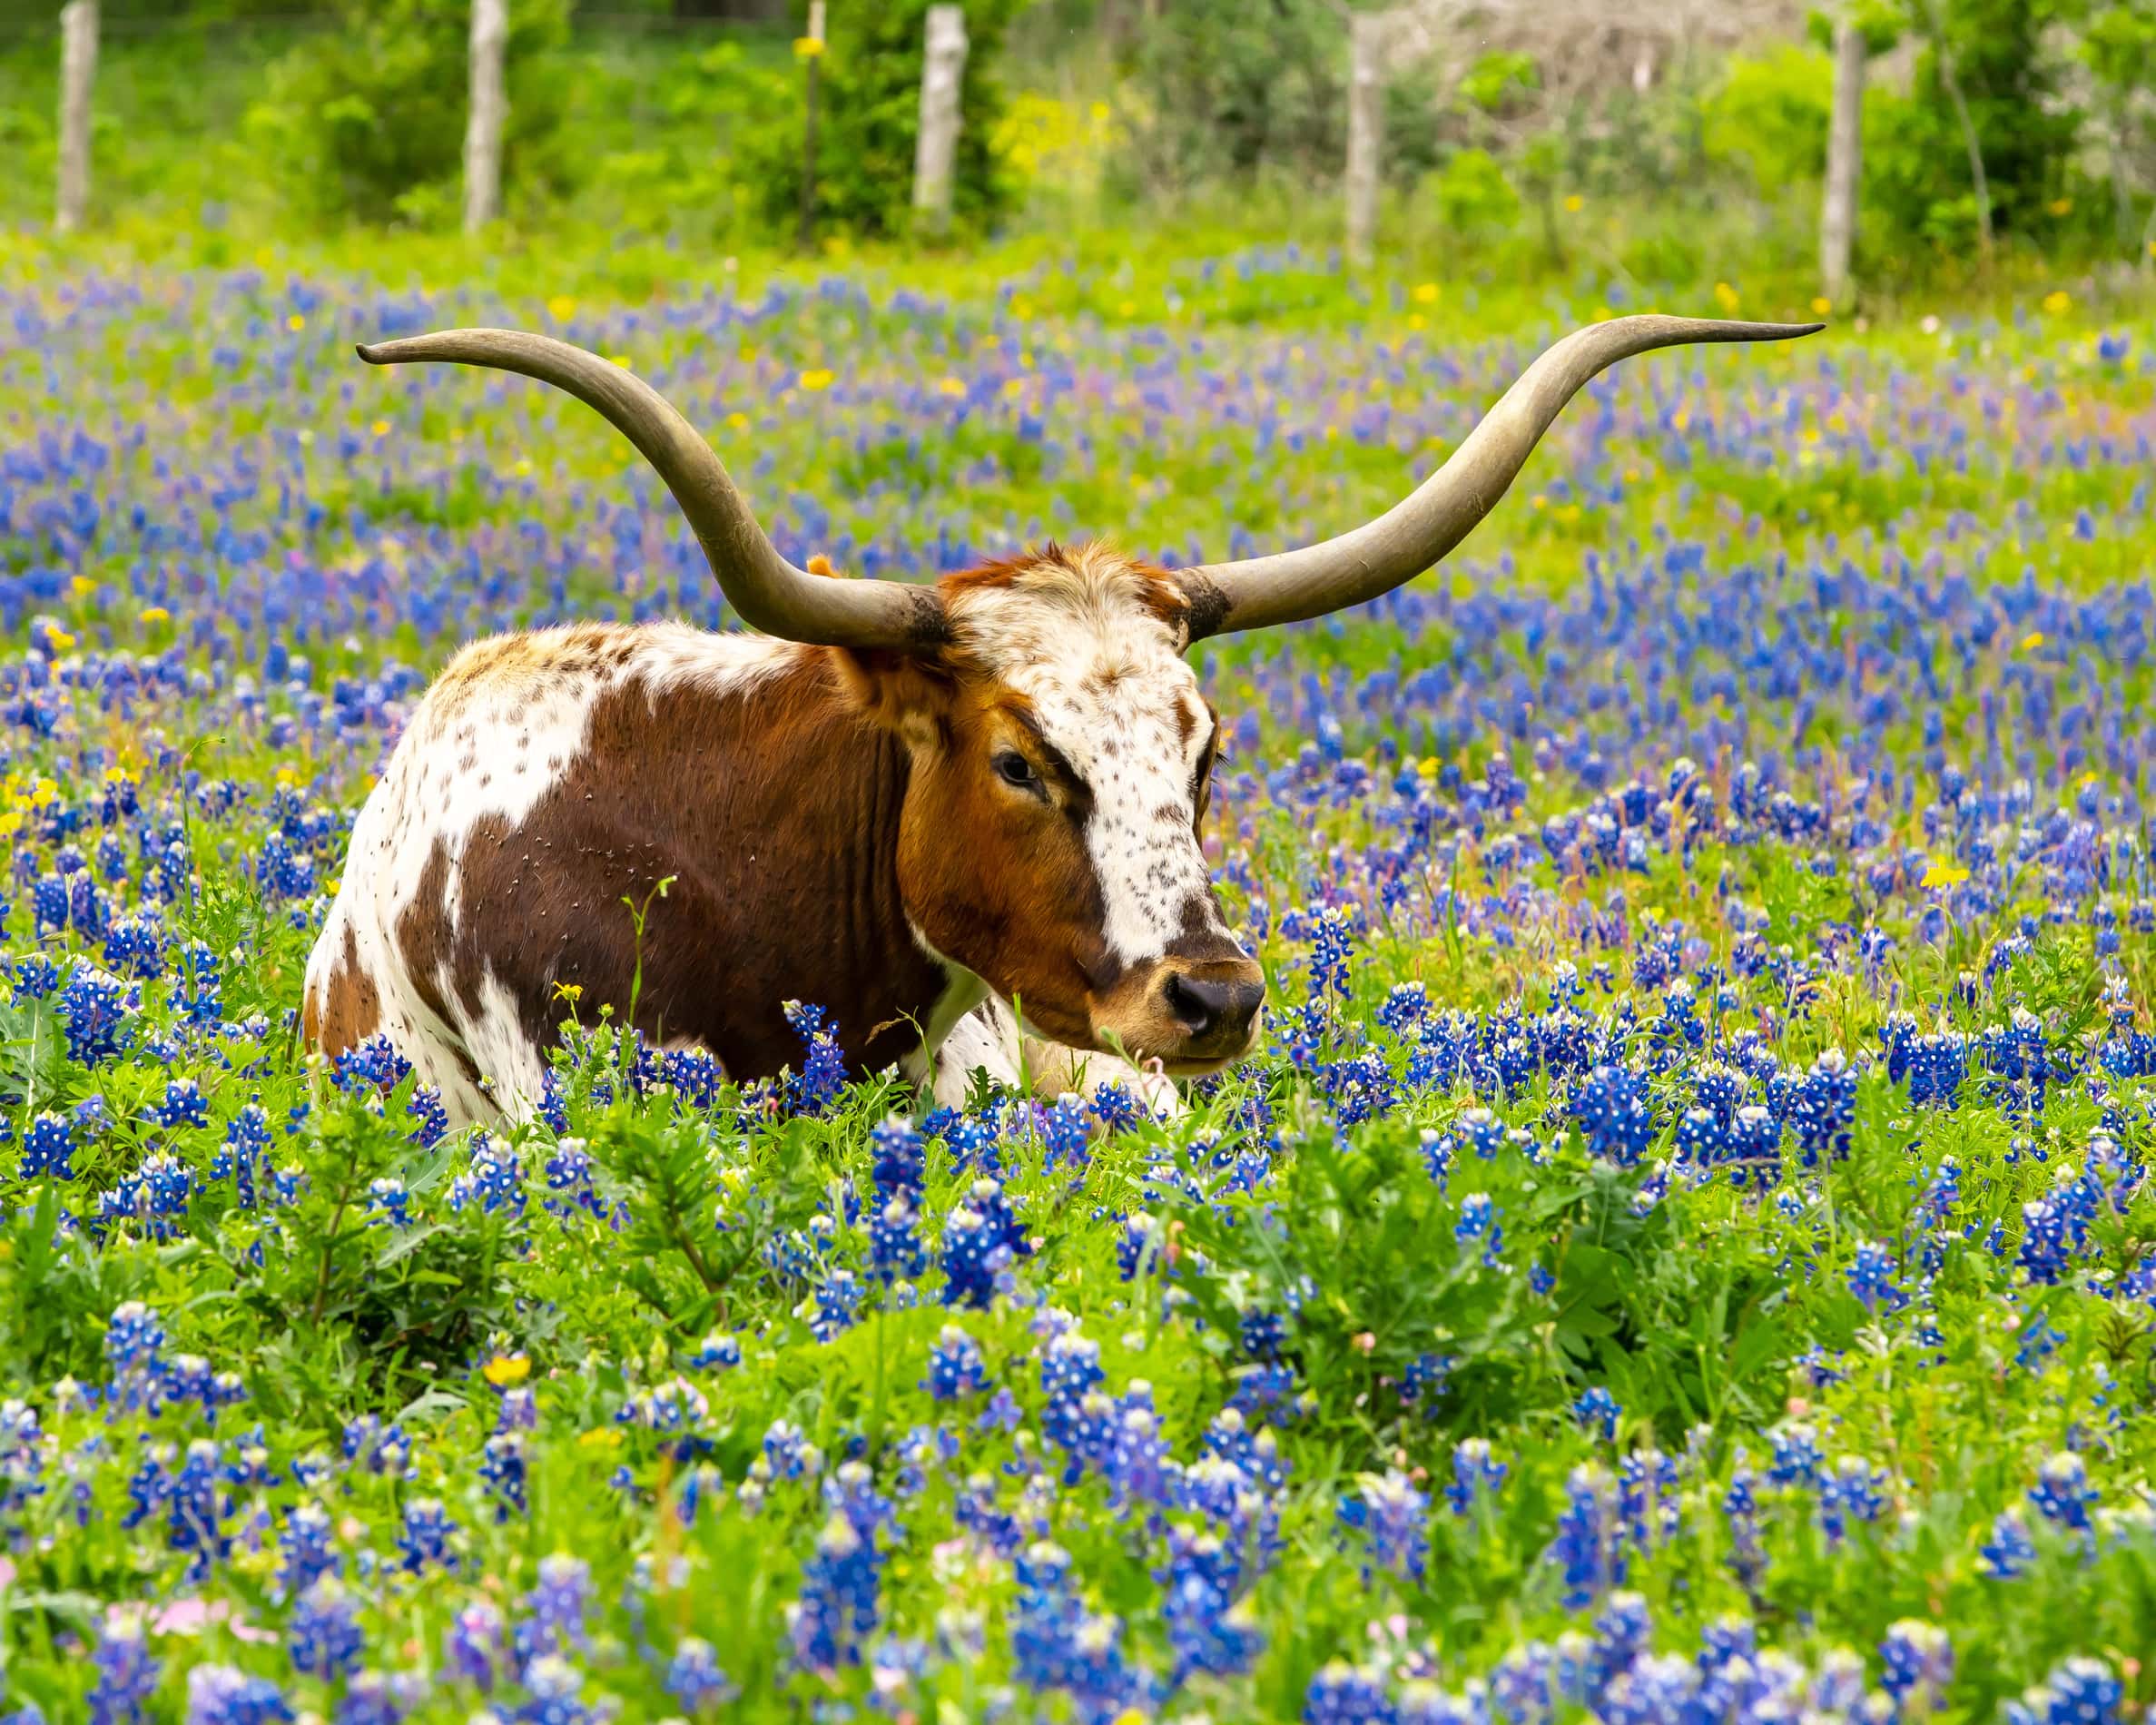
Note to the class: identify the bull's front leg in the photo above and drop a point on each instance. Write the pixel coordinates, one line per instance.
(991, 1038)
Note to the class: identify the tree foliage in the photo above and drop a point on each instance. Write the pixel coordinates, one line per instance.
(869, 121)
(367, 123)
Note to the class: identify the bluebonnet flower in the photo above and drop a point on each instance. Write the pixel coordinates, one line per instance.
(1393, 1519)
(35, 978)
(559, 1604)
(502, 1468)
(1209, 1629)
(48, 1148)
(2079, 1692)
(1824, 1111)
(1115, 1108)
(472, 1646)
(1796, 1457)
(823, 1066)
(981, 1241)
(1852, 1490)
(305, 1555)
(126, 1672)
(377, 1448)
(789, 1455)
(323, 1634)
(1648, 1503)
(225, 1695)
(246, 1142)
(1478, 1221)
(1740, 1506)
(837, 1604)
(183, 1105)
(1263, 1333)
(1404, 1008)
(900, 1158)
(1424, 1382)
(1588, 1548)
(2062, 1493)
(134, 1349)
(695, 1680)
(1871, 1280)
(94, 1010)
(2008, 1551)
(1919, 1663)
(1058, 1644)
(1596, 1410)
(1611, 1110)
(431, 1113)
(956, 1367)
(387, 1201)
(895, 1251)
(1476, 1473)
(833, 1306)
(378, 1698)
(424, 1539)
(718, 1352)
(1344, 1694)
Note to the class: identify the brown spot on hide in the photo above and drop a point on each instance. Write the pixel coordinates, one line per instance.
(348, 1007)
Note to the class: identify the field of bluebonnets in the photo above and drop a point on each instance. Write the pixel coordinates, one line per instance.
(1685, 1252)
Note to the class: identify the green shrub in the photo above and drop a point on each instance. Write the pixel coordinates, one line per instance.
(868, 121)
(368, 122)
(1919, 190)
(1768, 119)
(1223, 89)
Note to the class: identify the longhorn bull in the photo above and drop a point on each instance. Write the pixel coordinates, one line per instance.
(915, 805)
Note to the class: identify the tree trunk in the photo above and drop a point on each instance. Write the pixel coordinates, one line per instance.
(942, 73)
(78, 71)
(489, 110)
(1845, 171)
(1365, 133)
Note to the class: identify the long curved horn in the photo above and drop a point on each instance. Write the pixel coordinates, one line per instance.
(769, 592)
(1415, 533)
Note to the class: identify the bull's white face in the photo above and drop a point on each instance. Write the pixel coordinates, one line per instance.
(1061, 758)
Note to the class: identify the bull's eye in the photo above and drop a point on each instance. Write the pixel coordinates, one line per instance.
(1013, 768)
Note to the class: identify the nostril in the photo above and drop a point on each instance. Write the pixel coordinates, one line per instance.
(1195, 1004)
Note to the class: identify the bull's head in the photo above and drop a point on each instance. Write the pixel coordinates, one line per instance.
(1060, 745)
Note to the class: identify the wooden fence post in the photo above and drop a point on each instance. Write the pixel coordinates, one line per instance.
(490, 108)
(78, 72)
(1845, 170)
(943, 72)
(1367, 32)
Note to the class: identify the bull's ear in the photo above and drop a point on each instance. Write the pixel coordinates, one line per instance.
(910, 693)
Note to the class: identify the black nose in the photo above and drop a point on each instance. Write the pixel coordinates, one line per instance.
(1213, 1009)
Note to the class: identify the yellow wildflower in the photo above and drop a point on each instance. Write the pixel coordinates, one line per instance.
(821, 377)
(505, 1369)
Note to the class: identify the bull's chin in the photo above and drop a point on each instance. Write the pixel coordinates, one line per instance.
(1178, 1062)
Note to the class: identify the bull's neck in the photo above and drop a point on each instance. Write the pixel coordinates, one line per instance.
(869, 971)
